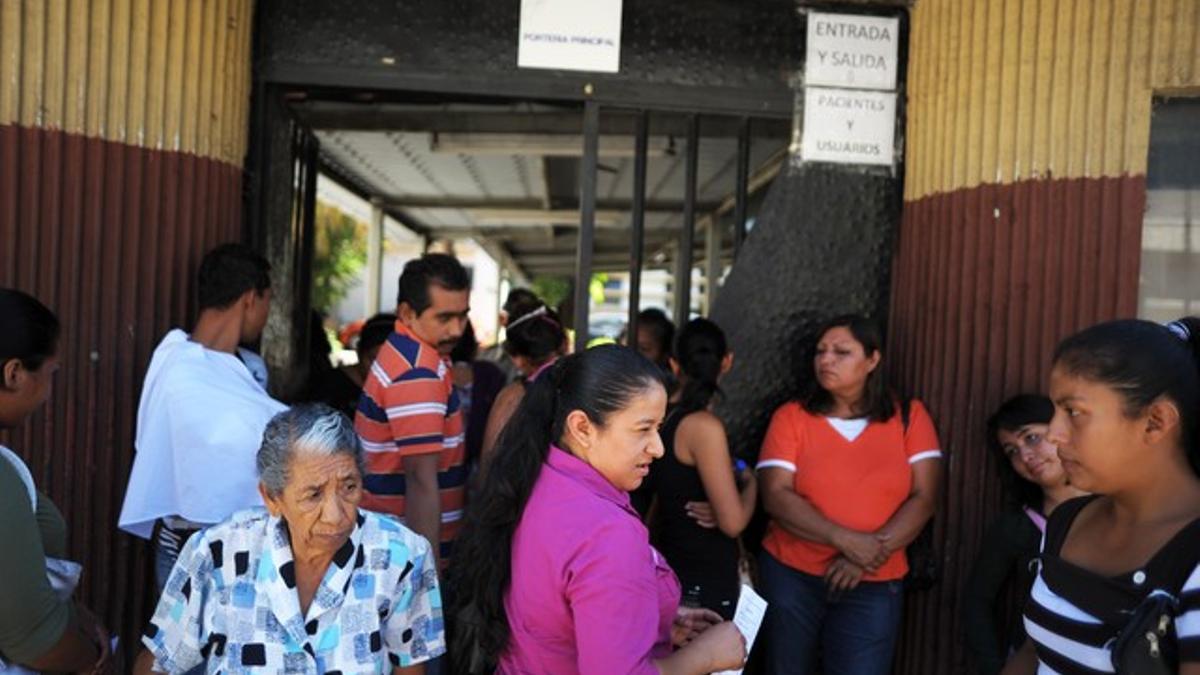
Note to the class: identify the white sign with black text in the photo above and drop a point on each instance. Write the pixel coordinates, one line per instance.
(570, 35)
(850, 50)
(848, 126)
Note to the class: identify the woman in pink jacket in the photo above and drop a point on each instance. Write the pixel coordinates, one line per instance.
(554, 572)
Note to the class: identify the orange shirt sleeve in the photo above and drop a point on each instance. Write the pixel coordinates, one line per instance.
(782, 446)
(921, 439)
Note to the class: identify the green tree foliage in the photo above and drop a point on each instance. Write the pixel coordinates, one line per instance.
(552, 290)
(339, 254)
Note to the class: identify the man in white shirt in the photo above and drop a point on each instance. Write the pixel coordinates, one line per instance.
(203, 409)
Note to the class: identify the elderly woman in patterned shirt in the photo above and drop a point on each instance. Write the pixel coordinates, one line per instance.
(310, 584)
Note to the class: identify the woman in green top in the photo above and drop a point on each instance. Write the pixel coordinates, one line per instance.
(1036, 485)
(39, 629)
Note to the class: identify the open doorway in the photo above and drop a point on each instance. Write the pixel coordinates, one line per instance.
(506, 178)
(604, 210)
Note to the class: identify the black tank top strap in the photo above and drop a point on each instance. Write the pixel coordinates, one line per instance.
(700, 556)
(1059, 523)
(1170, 568)
(670, 425)
(669, 464)
(1110, 599)
(1094, 594)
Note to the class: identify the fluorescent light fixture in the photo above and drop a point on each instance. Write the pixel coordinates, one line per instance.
(517, 217)
(543, 145)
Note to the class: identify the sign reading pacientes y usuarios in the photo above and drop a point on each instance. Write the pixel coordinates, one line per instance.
(570, 35)
(850, 50)
(848, 126)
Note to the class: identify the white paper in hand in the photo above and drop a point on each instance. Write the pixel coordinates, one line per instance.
(748, 618)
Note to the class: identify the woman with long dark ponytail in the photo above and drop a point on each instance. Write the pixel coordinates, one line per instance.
(697, 466)
(553, 571)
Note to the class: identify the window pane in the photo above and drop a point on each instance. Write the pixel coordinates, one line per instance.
(1170, 275)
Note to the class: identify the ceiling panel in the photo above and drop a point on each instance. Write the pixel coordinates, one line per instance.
(503, 196)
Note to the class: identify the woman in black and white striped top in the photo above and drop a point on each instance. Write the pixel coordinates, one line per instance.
(1126, 396)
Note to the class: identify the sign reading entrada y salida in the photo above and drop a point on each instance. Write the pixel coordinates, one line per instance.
(847, 50)
(846, 54)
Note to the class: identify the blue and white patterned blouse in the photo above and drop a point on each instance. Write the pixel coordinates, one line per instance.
(231, 602)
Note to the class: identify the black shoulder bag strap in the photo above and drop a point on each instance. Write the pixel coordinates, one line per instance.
(1147, 643)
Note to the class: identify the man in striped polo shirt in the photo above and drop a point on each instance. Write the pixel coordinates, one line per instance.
(409, 418)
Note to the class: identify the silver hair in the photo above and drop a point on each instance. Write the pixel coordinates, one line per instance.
(308, 429)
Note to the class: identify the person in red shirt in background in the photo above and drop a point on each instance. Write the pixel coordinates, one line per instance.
(849, 476)
(409, 418)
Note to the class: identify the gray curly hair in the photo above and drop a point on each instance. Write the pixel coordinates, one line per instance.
(309, 429)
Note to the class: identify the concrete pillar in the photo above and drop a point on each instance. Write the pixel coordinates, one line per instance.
(712, 264)
(374, 259)
(279, 234)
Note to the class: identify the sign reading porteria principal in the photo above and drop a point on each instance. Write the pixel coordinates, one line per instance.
(570, 35)
(850, 50)
(848, 126)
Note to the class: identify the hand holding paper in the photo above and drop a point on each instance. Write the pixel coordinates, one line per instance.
(691, 622)
(748, 618)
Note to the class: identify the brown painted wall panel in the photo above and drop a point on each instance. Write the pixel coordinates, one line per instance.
(986, 281)
(108, 236)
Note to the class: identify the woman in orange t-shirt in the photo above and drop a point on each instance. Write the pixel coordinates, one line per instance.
(849, 477)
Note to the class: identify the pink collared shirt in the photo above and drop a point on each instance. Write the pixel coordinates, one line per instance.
(589, 594)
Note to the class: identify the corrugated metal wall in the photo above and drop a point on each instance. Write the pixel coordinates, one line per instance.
(1027, 139)
(122, 131)
(1015, 90)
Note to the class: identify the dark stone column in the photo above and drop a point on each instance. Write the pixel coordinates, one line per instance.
(272, 229)
(821, 246)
